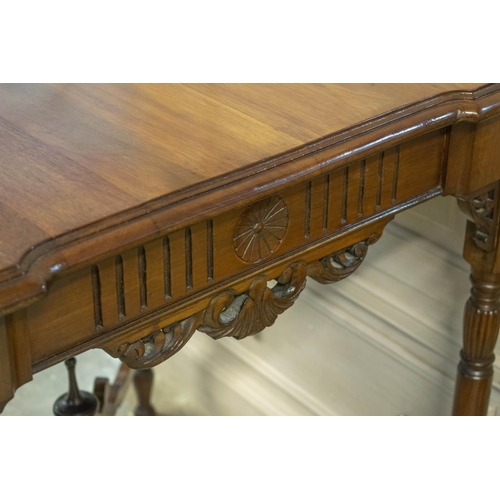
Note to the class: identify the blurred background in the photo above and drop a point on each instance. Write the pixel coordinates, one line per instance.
(383, 342)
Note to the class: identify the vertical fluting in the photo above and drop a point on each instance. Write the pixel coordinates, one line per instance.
(143, 283)
(210, 250)
(167, 275)
(326, 201)
(307, 222)
(395, 177)
(120, 287)
(345, 186)
(361, 193)
(481, 323)
(96, 295)
(189, 259)
(380, 183)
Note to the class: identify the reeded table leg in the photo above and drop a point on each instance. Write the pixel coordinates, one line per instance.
(143, 382)
(481, 322)
(481, 319)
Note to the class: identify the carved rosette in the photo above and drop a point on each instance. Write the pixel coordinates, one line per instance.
(158, 346)
(481, 210)
(240, 315)
(260, 229)
(341, 264)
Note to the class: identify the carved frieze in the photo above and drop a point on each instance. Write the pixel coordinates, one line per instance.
(239, 315)
(193, 259)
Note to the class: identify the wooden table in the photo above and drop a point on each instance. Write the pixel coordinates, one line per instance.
(133, 215)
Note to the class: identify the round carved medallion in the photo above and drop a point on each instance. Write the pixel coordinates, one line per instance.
(260, 229)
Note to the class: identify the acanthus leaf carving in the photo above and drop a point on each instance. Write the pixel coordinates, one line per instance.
(241, 315)
(159, 345)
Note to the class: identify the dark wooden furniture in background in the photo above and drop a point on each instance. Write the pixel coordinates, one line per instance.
(106, 398)
(133, 215)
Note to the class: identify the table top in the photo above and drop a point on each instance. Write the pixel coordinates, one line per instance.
(79, 159)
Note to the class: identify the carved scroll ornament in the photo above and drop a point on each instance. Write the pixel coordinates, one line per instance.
(341, 264)
(230, 314)
(157, 346)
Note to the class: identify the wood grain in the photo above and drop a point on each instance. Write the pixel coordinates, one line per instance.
(160, 154)
(481, 317)
(147, 203)
(409, 173)
(307, 112)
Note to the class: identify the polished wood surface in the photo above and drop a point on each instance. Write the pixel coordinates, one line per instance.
(99, 164)
(137, 214)
(76, 154)
(482, 311)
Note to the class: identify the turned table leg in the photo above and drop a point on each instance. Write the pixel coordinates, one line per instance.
(75, 402)
(143, 383)
(481, 322)
(481, 318)
(106, 398)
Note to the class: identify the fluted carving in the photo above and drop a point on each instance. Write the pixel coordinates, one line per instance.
(481, 323)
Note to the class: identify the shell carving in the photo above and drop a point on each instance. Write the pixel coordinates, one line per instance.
(238, 316)
(157, 346)
(260, 229)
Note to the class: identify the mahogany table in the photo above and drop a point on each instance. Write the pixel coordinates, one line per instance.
(133, 215)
